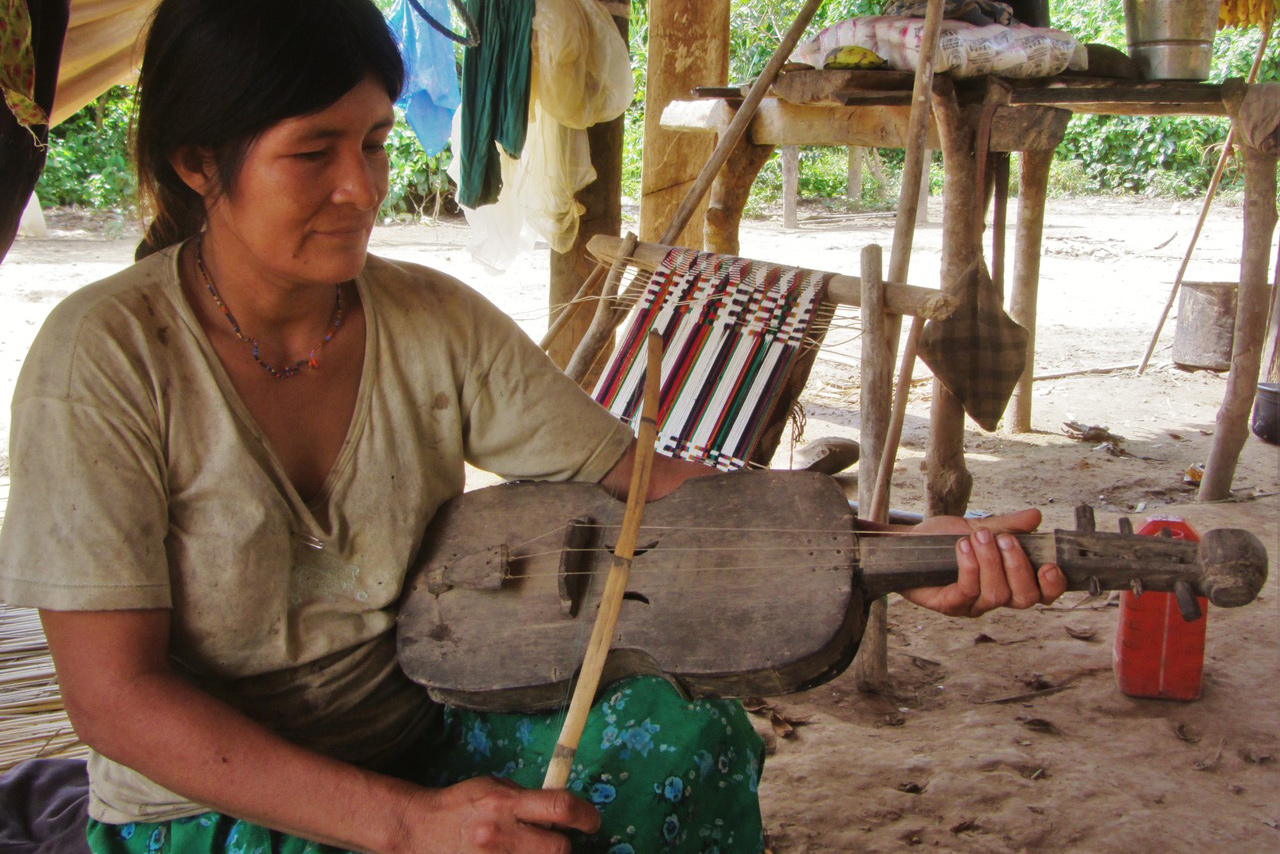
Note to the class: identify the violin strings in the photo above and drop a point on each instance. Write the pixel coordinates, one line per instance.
(754, 530)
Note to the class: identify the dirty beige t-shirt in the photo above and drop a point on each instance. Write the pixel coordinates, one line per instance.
(139, 480)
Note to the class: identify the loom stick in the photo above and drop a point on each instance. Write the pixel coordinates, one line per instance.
(900, 298)
(602, 322)
(584, 691)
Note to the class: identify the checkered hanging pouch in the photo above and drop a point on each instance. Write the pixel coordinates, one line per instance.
(979, 352)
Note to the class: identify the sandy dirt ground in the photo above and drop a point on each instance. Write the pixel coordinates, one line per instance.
(933, 762)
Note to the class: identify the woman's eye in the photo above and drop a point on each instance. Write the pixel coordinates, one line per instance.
(309, 155)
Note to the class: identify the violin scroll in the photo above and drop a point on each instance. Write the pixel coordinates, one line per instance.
(1233, 567)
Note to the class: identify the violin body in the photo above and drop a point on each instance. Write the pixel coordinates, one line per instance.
(750, 583)
(719, 602)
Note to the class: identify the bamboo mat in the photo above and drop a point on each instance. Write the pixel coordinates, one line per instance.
(32, 720)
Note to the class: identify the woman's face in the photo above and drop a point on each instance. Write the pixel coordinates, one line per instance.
(305, 201)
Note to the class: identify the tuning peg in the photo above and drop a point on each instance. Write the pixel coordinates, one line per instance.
(1084, 519)
(1126, 526)
(1188, 605)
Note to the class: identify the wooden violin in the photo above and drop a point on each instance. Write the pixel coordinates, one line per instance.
(750, 583)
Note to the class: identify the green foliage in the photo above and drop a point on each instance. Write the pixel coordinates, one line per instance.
(88, 163)
(88, 154)
(419, 185)
(1165, 155)
(88, 158)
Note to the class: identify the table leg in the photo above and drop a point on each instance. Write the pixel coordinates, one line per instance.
(1033, 190)
(1252, 303)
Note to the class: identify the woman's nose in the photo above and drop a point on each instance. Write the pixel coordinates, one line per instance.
(360, 183)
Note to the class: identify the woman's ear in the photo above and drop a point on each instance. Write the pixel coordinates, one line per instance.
(195, 167)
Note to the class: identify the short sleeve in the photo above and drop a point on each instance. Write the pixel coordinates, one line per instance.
(86, 520)
(526, 419)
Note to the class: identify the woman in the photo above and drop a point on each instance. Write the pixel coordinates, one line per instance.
(224, 459)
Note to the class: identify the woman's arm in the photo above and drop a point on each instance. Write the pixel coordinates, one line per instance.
(667, 474)
(127, 703)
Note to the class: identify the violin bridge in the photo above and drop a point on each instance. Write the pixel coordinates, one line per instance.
(575, 565)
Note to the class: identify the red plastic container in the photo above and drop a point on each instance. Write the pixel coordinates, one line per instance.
(1157, 653)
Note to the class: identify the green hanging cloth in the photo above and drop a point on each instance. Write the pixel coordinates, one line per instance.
(495, 95)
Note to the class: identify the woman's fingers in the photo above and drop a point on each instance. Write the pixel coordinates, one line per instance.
(488, 815)
(991, 572)
(994, 572)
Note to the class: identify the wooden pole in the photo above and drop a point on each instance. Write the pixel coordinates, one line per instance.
(1252, 303)
(871, 664)
(688, 47)
(900, 255)
(853, 176)
(606, 623)
(790, 185)
(1032, 194)
(948, 481)
(872, 674)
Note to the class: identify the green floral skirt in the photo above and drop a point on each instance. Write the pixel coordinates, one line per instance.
(667, 775)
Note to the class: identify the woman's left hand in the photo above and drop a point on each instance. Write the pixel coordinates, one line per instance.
(994, 570)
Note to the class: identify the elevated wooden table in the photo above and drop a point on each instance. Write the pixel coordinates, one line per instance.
(976, 124)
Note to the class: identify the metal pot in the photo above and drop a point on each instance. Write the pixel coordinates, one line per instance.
(1265, 422)
(1171, 39)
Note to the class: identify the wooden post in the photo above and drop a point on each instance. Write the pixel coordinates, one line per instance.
(922, 200)
(871, 666)
(790, 185)
(948, 481)
(688, 47)
(602, 200)
(1252, 303)
(853, 178)
(1033, 191)
(729, 196)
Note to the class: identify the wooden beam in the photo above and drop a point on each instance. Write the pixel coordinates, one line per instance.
(780, 123)
(842, 290)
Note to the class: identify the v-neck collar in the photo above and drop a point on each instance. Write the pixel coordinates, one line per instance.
(315, 508)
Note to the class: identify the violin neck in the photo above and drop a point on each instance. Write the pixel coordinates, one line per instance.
(1092, 561)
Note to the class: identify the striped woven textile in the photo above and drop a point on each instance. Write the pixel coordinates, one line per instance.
(733, 330)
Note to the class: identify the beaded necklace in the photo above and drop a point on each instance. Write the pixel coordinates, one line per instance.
(312, 360)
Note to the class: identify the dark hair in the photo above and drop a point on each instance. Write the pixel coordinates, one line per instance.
(216, 74)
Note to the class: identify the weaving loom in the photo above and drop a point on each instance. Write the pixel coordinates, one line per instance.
(739, 337)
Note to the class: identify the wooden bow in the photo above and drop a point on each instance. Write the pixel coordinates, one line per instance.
(584, 691)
